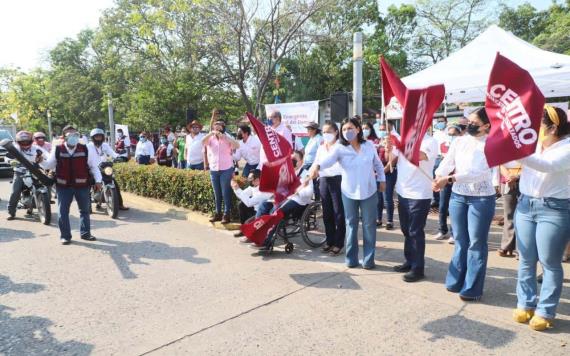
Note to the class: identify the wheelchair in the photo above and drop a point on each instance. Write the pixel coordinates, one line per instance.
(307, 223)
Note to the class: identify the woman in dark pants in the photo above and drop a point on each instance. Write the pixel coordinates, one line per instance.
(331, 197)
(510, 173)
(370, 134)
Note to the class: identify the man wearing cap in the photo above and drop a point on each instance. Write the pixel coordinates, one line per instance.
(194, 150)
(72, 163)
(41, 142)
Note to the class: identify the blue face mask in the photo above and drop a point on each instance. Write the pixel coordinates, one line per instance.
(440, 125)
(382, 134)
(269, 122)
(349, 135)
(72, 140)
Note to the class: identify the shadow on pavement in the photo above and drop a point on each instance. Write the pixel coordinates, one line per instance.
(460, 327)
(9, 235)
(125, 254)
(29, 335)
(324, 280)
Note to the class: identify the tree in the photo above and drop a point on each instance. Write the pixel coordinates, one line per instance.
(446, 25)
(555, 36)
(524, 22)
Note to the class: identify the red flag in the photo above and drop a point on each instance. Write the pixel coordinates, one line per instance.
(256, 231)
(392, 86)
(515, 107)
(278, 174)
(419, 107)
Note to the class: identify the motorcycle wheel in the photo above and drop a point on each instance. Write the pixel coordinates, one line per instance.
(112, 201)
(44, 208)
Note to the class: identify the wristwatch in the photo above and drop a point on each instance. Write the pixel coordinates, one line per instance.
(450, 179)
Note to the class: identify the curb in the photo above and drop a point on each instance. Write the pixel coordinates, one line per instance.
(158, 206)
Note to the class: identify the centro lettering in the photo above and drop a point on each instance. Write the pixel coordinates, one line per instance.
(513, 115)
(273, 142)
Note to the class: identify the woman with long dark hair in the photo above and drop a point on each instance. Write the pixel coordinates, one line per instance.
(361, 169)
(542, 223)
(472, 207)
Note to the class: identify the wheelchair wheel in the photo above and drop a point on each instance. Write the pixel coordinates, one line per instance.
(312, 226)
(288, 227)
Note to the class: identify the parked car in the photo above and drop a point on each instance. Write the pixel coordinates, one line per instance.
(5, 168)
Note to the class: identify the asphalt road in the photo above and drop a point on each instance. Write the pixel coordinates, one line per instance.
(156, 284)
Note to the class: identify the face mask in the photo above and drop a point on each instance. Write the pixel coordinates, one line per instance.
(98, 142)
(378, 120)
(382, 134)
(239, 136)
(295, 162)
(163, 141)
(329, 137)
(120, 135)
(366, 133)
(349, 135)
(143, 139)
(472, 129)
(269, 122)
(72, 140)
(440, 125)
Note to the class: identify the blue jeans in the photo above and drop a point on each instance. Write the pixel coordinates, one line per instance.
(64, 199)
(444, 197)
(248, 168)
(389, 195)
(471, 220)
(542, 228)
(413, 217)
(182, 164)
(368, 209)
(222, 189)
(196, 167)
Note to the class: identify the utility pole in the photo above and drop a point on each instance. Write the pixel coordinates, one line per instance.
(111, 119)
(357, 63)
(50, 137)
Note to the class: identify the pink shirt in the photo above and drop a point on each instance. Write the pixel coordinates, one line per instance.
(219, 154)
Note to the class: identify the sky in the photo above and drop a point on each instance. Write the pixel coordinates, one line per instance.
(30, 28)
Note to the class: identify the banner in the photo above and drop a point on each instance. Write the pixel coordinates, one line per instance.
(296, 115)
(257, 230)
(515, 107)
(419, 108)
(125, 129)
(278, 174)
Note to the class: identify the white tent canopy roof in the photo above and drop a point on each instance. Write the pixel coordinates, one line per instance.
(465, 73)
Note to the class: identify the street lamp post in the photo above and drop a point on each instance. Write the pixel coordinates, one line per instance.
(111, 118)
(50, 137)
(357, 63)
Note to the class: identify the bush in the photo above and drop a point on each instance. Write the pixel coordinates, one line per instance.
(179, 187)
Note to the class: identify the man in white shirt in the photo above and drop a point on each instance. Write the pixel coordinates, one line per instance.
(250, 198)
(144, 154)
(102, 151)
(194, 150)
(249, 149)
(277, 124)
(414, 188)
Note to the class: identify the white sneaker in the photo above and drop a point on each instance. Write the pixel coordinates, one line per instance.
(441, 236)
(245, 240)
(451, 240)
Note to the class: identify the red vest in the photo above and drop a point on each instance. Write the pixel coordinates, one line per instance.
(120, 146)
(161, 156)
(72, 171)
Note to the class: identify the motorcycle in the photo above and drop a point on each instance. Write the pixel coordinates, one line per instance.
(108, 195)
(35, 195)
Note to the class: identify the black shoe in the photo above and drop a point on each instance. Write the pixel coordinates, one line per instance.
(65, 241)
(389, 226)
(216, 217)
(88, 237)
(11, 217)
(403, 268)
(379, 223)
(413, 276)
(539, 278)
(469, 299)
(238, 234)
(369, 267)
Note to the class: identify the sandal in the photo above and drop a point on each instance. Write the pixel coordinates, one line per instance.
(326, 248)
(335, 251)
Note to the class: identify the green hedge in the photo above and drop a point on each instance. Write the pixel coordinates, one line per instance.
(179, 187)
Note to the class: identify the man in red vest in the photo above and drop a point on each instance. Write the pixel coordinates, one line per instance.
(72, 164)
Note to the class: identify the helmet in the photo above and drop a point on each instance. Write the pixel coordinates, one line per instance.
(39, 134)
(96, 132)
(24, 136)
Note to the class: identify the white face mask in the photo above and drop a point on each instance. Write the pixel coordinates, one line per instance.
(329, 137)
(365, 133)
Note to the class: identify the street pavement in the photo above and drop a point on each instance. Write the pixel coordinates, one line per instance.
(155, 283)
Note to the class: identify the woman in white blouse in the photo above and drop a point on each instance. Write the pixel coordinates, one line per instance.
(542, 222)
(361, 169)
(471, 208)
(331, 197)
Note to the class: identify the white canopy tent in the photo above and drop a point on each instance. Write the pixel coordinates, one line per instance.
(465, 73)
